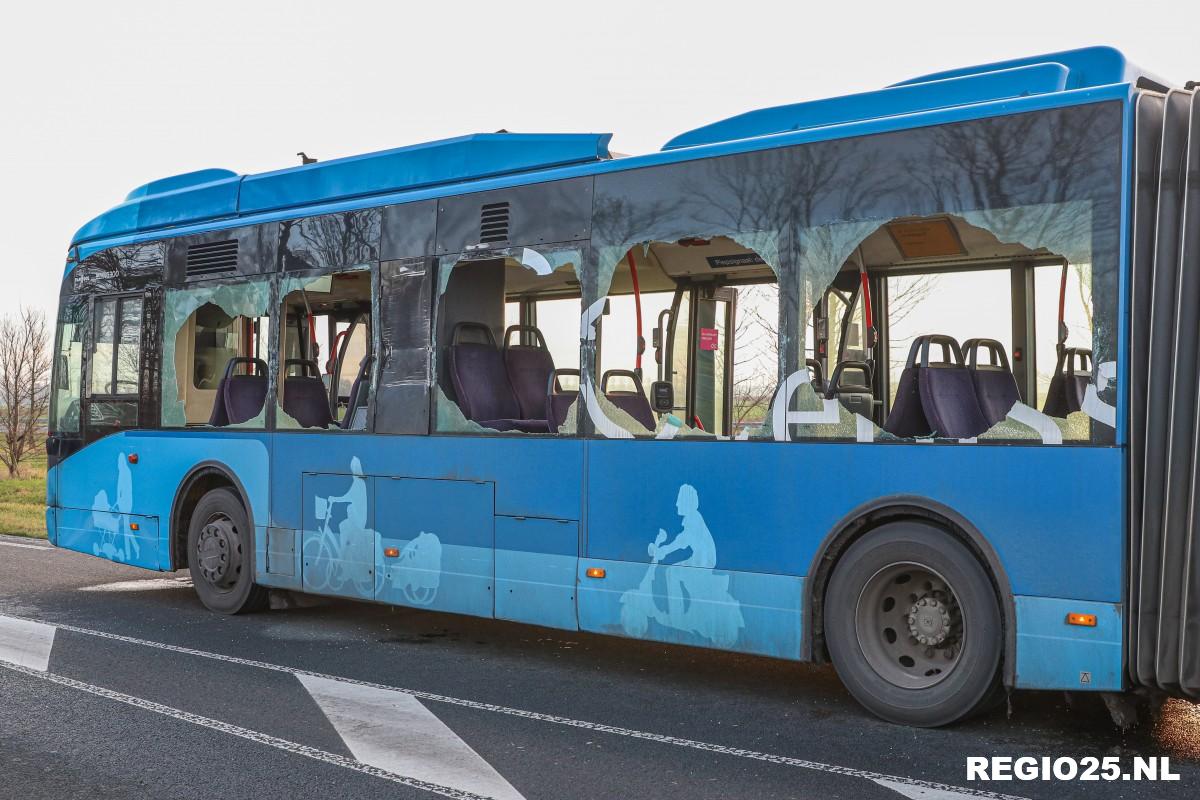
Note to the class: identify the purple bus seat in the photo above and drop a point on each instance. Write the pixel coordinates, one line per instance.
(529, 367)
(481, 383)
(935, 398)
(995, 387)
(1068, 386)
(239, 397)
(559, 400)
(634, 403)
(305, 398)
(359, 391)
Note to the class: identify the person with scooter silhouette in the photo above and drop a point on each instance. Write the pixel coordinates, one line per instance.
(694, 536)
(698, 600)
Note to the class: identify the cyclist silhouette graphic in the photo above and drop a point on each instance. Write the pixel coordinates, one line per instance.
(342, 555)
(698, 599)
(346, 556)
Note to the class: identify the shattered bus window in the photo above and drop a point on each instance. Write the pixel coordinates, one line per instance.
(214, 342)
(507, 342)
(327, 346)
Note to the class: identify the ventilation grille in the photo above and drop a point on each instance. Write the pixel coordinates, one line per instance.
(493, 223)
(212, 258)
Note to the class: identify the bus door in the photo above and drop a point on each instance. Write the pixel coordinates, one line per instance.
(99, 512)
(845, 344)
(711, 392)
(697, 355)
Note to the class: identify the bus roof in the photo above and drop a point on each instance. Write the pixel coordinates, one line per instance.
(212, 195)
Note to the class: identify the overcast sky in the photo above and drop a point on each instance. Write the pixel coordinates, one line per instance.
(101, 97)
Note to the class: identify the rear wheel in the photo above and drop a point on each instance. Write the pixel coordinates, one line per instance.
(913, 626)
(221, 554)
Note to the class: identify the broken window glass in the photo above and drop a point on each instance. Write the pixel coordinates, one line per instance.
(841, 222)
(707, 282)
(327, 342)
(331, 241)
(210, 318)
(507, 341)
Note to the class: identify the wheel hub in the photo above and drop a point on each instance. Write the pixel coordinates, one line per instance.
(909, 625)
(931, 620)
(219, 552)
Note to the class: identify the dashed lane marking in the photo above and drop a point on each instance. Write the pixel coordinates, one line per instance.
(676, 741)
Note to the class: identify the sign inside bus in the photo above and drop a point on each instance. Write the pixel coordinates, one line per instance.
(736, 260)
(709, 339)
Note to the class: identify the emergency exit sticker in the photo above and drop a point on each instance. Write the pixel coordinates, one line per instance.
(708, 339)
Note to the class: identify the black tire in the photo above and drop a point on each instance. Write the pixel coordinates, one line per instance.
(876, 579)
(220, 545)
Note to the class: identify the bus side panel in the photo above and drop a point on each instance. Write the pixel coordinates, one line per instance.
(743, 513)
(102, 493)
(1052, 655)
(536, 562)
(461, 516)
(745, 611)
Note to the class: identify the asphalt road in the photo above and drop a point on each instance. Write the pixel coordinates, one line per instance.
(123, 686)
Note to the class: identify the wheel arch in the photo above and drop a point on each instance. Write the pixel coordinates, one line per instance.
(200, 479)
(869, 516)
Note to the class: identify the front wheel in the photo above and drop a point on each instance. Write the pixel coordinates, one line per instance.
(913, 626)
(221, 554)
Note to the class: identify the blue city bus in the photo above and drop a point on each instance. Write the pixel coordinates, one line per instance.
(903, 380)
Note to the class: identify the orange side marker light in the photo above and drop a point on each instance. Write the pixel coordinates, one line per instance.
(391, 552)
(596, 572)
(1086, 620)
(133, 526)
(132, 458)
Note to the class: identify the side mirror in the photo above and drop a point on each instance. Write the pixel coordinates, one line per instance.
(662, 396)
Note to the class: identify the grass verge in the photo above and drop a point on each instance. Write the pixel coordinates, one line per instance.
(23, 499)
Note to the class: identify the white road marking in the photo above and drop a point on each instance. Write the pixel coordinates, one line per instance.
(253, 736)
(676, 741)
(26, 546)
(393, 731)
(26, 643)
(922, 793)
(143, 585)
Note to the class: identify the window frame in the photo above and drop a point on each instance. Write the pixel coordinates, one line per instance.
(121, 298)
(278, 341)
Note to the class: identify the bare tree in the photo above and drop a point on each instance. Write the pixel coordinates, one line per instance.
(24, 385)
(755, 360)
